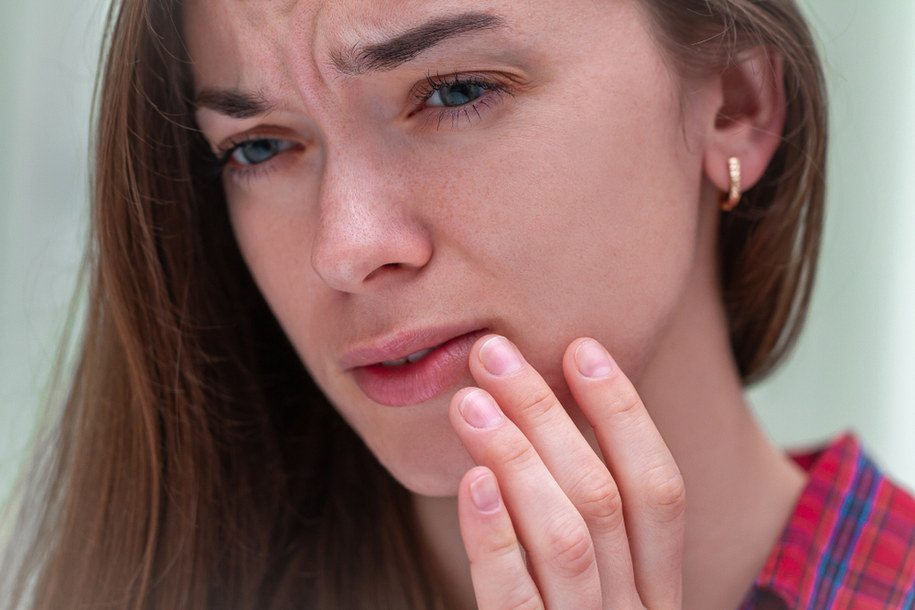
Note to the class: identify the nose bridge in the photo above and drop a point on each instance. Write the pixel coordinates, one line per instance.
(366, 226)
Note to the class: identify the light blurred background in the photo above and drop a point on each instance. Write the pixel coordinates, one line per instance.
(853, 370)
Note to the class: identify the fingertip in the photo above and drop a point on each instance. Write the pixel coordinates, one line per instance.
(497, 566)
(589, 359)
(592, 360)
(484, 519)
(484, 490)
(479, 492)
(498, 356)
(454, 409)
(460, 395)
(478, 345)
(474, 407)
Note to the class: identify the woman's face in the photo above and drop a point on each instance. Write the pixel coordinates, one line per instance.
(411, 174)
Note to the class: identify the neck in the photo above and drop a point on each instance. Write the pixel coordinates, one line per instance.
(741, 489)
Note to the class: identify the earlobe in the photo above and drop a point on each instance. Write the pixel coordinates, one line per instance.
(749, 122)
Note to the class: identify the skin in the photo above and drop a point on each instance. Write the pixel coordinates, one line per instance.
(581, 201)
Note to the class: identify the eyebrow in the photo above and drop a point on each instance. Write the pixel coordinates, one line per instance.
(376, 57)
(389, 54)
(233, 103)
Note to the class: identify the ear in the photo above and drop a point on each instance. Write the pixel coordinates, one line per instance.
(750, 118)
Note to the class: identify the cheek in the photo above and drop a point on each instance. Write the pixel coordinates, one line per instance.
(584, 232)
(275, 242)
(417, 445)
(262, 236)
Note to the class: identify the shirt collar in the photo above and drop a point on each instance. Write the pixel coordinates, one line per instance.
(791, 569)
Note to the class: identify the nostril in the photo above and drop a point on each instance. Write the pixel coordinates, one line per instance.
(382, 270)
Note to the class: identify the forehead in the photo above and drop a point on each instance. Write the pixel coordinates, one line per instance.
(229, 38)
(349, 18)
(316, 25)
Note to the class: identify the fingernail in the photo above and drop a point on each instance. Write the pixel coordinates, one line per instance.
(480, 410)
(485, 494)
(592, 359)
(499, 356)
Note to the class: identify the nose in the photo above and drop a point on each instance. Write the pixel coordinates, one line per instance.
(368, 233)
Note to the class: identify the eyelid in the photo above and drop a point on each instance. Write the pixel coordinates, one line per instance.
(279, 146)
(261, 132)
(495, 86)
(244, 174)
(433, 82)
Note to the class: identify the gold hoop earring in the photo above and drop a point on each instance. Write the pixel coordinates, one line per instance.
(730, 199)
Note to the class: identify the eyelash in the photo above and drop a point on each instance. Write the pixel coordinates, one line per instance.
(243, 173)
(493, 92)
(433, 83)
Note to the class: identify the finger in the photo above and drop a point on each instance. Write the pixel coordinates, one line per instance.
(642, 466)
(500, 577)
(560, 553)
(530, 403)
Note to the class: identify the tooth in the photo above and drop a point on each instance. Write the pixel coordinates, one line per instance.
(399, 362)
(419, 355)
(414, 357)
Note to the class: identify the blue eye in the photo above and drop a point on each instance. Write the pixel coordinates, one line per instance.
(259, 150)
(456, 94)
(459, 98)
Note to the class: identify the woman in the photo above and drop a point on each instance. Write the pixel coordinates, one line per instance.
(451, 214)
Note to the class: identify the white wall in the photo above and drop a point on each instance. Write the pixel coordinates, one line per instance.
(48, 52)
(855, 365)
(853, 368)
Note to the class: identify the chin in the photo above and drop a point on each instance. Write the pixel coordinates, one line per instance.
(429, 469)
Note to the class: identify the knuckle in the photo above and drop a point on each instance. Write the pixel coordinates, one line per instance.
(523, 597)
(536, 403)
(501, 546)
(569, 548)
(518, 454)
(518, 591)
(665, 493)
(625, 404)
(599, 502)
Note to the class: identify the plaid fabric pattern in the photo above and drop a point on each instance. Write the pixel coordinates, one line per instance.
(850, 543)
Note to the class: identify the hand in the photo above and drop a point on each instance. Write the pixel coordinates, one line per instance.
(594, 537)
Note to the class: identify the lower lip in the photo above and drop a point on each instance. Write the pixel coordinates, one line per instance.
(416, 382)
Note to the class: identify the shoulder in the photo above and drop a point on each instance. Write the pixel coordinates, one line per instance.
(851, 540)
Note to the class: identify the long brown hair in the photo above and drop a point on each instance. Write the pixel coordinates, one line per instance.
(195, 464)
(768, 246)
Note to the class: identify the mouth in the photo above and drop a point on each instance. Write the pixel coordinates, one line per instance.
(392, 379)
(410, 359)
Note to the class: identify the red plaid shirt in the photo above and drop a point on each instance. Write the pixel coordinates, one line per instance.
(850, 543)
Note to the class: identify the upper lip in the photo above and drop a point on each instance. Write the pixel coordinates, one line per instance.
(394, 346)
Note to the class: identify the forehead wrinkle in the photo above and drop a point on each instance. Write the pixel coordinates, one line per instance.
(404, 46)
